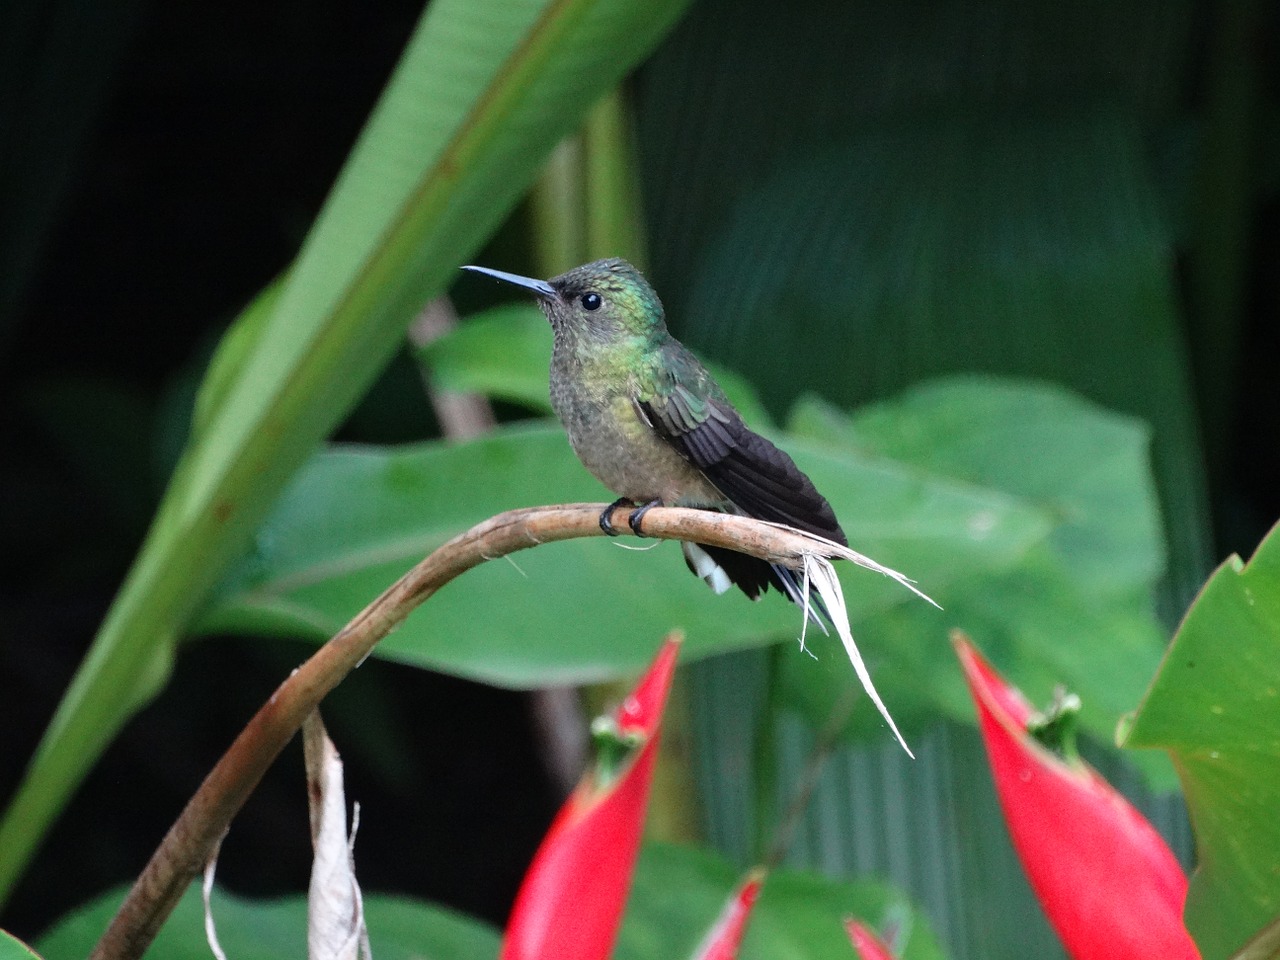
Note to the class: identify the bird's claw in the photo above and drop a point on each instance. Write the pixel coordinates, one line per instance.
(637, 515)
(605, 523)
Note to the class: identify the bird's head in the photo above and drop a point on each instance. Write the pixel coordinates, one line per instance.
(602, 300)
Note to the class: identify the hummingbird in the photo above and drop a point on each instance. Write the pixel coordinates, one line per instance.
(647, 419)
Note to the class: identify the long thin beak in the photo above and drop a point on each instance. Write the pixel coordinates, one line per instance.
(540, 287)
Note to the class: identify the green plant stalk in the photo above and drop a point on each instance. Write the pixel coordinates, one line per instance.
(765, 808)
(614, 220)
(556, 207)
(587, 206)
(316, 352)
(675, 811)
(614, 210)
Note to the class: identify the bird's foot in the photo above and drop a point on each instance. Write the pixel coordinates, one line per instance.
(637, 515)
(605, 523)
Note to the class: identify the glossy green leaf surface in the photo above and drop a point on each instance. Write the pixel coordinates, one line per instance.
(1077, 608)
(1215, 706)
(399, 929)
(481, 94)
(357, 518)
(678, 892)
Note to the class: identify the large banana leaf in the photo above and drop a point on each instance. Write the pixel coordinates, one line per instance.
(482, 92)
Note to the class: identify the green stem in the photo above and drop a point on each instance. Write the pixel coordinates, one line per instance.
(586, 206)
(557, 206)
(764, 778)
(615, 213)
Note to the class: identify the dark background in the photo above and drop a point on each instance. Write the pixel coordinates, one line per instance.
(160, 164)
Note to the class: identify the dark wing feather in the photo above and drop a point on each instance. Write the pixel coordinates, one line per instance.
(758, 478)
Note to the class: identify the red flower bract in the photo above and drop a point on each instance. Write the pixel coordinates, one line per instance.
(1107, 881)
(570, 903)
(865, 941)
(725, 937)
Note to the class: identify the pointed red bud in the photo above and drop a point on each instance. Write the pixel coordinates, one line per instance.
(724, 938)
(1109, 884)
(868, 945)
(571, 901)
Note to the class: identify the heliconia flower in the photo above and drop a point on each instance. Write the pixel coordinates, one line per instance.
(865, 941)
(570, 903)
(724, 938)
(1111, 887)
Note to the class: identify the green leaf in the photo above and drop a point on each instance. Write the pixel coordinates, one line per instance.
(356, 518)
(504, 353)
(678, 892)
(481, 94)
(1076, 608)
(399, 929)
(1090, 467)
(233, 351)
(1215, 706)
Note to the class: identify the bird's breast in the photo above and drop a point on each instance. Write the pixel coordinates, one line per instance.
(610, 437)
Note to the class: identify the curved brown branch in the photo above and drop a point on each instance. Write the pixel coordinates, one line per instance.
(195, 834)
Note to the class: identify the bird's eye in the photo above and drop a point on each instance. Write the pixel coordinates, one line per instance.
(591, 301)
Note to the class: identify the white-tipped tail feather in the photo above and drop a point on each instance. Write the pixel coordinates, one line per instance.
(710, 572)
(821, 575)
(816, 589)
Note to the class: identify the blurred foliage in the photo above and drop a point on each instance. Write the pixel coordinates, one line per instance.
(1054, 561)
(840, 205)
(503, 353)
(356, 518)
(1003, 222)
(797, 917)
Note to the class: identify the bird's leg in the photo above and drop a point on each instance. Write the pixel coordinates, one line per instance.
(633, 521)
(605, 523)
